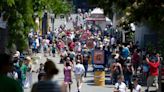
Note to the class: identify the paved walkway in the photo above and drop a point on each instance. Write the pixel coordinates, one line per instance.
(88, 85)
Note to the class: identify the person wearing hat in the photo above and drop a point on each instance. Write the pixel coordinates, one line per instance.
(26, 72)
(7, 84)
(47, 84)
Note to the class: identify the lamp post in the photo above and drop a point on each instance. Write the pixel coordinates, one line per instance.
(52, 21)
(3, 34)
(44, 24)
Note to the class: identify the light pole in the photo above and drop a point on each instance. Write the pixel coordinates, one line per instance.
(3, 34)
(52, 21)
(44, 24)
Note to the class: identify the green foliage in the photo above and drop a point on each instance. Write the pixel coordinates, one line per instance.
(20, 16)
(149, 12)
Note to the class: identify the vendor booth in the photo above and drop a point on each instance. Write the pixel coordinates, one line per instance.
(97, 17)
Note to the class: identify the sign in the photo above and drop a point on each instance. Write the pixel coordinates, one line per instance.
(90, 44)
(98, 57)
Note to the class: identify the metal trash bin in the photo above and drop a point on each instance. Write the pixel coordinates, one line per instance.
(99, 78)
(99, 75)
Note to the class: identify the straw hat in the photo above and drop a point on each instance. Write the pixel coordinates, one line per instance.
(28, 58)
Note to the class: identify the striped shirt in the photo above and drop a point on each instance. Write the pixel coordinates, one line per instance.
(46, 86)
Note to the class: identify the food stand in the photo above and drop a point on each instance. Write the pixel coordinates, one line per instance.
(97, 16)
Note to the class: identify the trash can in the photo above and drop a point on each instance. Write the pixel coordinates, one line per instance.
(99, 75)
(99, 78)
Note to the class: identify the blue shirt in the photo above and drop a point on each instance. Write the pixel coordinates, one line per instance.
(125, 52)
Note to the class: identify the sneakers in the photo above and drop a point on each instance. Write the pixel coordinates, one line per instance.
(146, 90)
(78, 90)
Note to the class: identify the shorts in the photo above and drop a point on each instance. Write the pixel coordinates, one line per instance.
(79, 78)
(151, 80)
(45, 49)
(53, 51)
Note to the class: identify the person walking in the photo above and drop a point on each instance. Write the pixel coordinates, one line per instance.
(120, 86)
(24, 72)
(41, 72)
(79, 73)
(137, 87)
(154, 71)
(68, 76)
(29, 72)
(8, 84)
(53, 49)
(85, 62)
(135, 59)
(47, 84)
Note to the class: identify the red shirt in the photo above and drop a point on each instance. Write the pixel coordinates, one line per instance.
(72, 45)
(68, 33)
(135, 58)
(154, 68)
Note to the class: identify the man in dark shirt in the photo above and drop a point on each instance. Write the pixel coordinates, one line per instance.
(85, 62)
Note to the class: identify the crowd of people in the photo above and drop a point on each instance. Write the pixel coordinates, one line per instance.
(125, 61)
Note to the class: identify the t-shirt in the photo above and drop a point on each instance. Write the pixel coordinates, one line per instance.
(72, 55)
(24, 71)
(137, 88)
(79, 69)
(125, 52)
(121, 87)
(154, 68)
(85, 59)
(9, 85)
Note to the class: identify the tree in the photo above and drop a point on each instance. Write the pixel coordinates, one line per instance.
(20, 17)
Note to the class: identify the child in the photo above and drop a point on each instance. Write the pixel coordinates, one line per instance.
(41, 72)
(67, 75)
(53, 50)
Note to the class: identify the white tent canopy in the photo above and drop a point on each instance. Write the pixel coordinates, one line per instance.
(97, 11)
(107, 19)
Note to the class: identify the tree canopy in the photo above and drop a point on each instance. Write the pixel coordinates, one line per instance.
(19, 15)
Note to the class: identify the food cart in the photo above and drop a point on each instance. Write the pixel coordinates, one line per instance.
(97, 17)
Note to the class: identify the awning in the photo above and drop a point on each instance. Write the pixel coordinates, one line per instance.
(95, 19)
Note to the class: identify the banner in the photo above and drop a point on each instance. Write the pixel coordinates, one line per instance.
(98, 57)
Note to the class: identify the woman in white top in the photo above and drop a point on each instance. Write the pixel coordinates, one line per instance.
(120, 86)
(137, 87)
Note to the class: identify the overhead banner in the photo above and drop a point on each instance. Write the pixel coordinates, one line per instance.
(98, 57)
